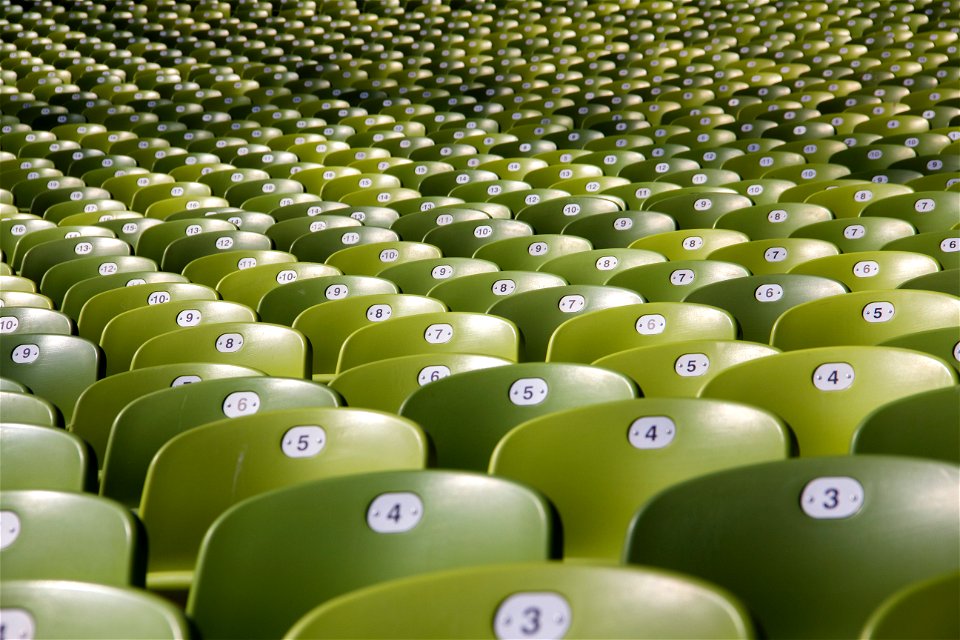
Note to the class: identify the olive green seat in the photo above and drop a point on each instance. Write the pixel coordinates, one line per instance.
(551, 216)
(864, 317)
(37, 260)
(701, 210)
(466, 237)
(940, 342)
(675, 280)
(926, 609)
(539, 312)
(529, 253)
(865, 270)
(853, 510)
(620, 228)
(923, 425)
(211, 269)
(100, 403)
(127, 332)
(34, 320)
(385, 384)
(946, 281)
(823, 393)
(415, 226)
(571, 601)
(597, 266)
(773, 220)
(269, 560)
(479, 292)
(371, 258)
(285, 232)
(320, 245)
(848, 201)
(59, 278)
(420, 276)
(199, 474)
(598, 464)
(860, 234)
(434, 333)
(154, 241)
(248, 286)
(55, 367)
(37, 456)
(689, 244)
(143, 426)
(944, 246)
(67, 535)
(925, 210)
(25, 299)
(681, 368)
(276, 350)
(283, 304)
(26, 408)
(181, 252)
(465, 415)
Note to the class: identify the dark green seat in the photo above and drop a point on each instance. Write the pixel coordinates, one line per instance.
(926, 610)
(923, 425)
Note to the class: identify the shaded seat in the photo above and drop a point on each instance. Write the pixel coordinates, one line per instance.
(941, 342)
(923, 425)
(577, 601)
(689, 244)
(861, 234)
(283, 304)
(675, 280)
(37, 456)
(857, 508)
(924, 609)
(479, 292)
(598, 464)
(248, 286)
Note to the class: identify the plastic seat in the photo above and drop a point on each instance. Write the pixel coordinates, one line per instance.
(940, 342)
(38, 457)
(37, 260)
(274, 349)
(824, 393)
(856, 508)
(444, 332)
(370, 259)
(924, 609)
(619, 228)
(597, 266)
(893, 428)
(177, 512)
(101, 545)
(675, 280)
(34, 320)
(864, 318)
(25, 299)
(500, 398)
(100, 403)
(273, 591)
(211, 269)
(35, 237)
(668, 441)
(475, 602)
(539, 312)
(773, 220)
(154, 241)
(142, 427)
(286, 232)
(778, 255)
(283, 304)
(862, 234)
(181, 252)
(850, 200)
(554, 215)
(944, 246)
(865, 270)
(463, 239)
(415, 226)
(59, 278)
(56, 368)
(689, 244)
(478, 292)
(320, 245)
(528, 253)
(87, 611)
(925, 210)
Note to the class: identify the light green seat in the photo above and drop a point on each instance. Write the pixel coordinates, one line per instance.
(946, 281)
(81, 292)
(383, 385)
(620, 228)
(211, 269)
(862, 509)
(529, 253)
(824, 393)
(437, 332)
(551, 216)
(925, 210)
(478, 292)
(689, 244)
(539, 312)
(274, 349)
(597, 266)
(777, 255)
(10, 282)
(864, 270)
(100, 403)
(371, 258)
(101, 308)
(248, 286)
(61, 277)
(25, 299)
(944, 246)
(894, 428)
(34, 320)
(773, 220)
(268, 561)
(926, 610)
(42, 257)
(61, 535)
(593, 335)
(598, 464)
(674, 281)
(681, 368)
(143, 426)
(283, 304)
(701, 210)
(941, 342)
(55, 367)
(37, 456)
(762, 191)
(465, 415)
(199, 474)
(864, 318)
(127, 331)
(848, 201)
(480, 602)
(328, 325)
(860, 234)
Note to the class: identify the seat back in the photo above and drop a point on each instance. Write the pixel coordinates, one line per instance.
(893, 428)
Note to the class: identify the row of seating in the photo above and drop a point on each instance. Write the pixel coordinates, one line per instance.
(414, 318)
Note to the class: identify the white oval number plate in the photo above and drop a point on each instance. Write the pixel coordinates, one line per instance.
(879, 312)
(304, 441)
(229, 343)
(691, 365)
(543, 616)
(395, 512)
(241, 403)
(17, 624)
(652, 432)
(25, 354)
(438, 333)
(832, 498)
(432, 374)
(833, 376)
(651, 324)
(9, 324)
(9, 528)
(529, 391)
